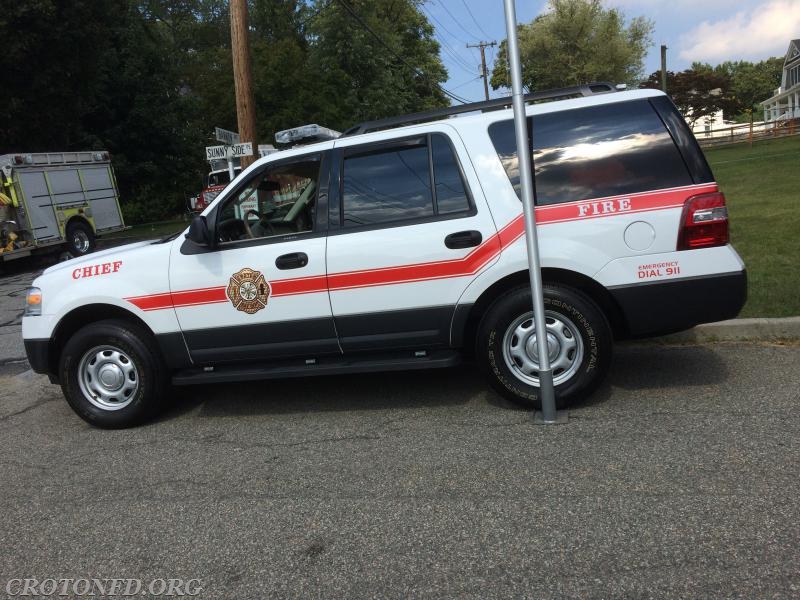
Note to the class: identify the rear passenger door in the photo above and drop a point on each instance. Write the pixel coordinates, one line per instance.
(408, 231)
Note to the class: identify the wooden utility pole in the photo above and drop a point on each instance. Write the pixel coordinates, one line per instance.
(484, 74)
(663, 68)
(243, 77)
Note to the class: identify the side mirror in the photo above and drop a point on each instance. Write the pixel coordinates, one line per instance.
(198, 231)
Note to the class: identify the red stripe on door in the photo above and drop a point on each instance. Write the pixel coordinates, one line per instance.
(466, 266)
(461, 267)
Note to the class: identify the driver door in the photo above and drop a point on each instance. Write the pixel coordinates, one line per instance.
(260, 292)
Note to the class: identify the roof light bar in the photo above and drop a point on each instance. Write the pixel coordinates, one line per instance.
(306, 134)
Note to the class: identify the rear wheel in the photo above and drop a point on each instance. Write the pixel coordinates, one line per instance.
(110, 375)
(579, 344)
(80, 238)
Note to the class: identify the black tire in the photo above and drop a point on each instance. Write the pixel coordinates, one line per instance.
(80, 238)
(581, 351)
(111, 375)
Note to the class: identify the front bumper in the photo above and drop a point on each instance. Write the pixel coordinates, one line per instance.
(38, 352)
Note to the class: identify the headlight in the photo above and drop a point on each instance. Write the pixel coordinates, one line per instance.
(33, 302)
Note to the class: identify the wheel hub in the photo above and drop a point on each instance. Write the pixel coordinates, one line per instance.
(564, 348)
(532, 346)
(108, 378)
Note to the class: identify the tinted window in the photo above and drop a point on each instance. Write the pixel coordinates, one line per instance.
(393, 183)
(595, 152)
(451, 196)
(387, 186)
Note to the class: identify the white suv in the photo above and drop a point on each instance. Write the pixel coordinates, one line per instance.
(400, 245)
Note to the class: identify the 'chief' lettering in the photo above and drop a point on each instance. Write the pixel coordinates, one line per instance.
(94, 270)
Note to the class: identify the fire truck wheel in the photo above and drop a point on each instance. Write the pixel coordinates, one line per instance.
(578, 338)
(111, 374)
(80, 238)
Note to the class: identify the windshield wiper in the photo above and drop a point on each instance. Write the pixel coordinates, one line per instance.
(169, 238)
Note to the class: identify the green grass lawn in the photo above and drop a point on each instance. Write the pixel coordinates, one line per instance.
(762, 186)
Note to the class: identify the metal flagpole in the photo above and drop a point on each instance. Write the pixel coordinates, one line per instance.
(548, 414)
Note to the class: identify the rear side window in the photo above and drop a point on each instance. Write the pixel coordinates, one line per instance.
(595, 152)
(411, 179)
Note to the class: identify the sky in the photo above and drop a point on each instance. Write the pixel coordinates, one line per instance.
(711, 31)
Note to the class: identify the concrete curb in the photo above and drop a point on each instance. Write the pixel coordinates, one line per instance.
(740, 330)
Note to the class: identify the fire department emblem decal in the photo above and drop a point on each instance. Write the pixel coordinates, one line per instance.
(248, 291)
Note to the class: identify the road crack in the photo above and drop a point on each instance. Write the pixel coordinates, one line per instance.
(9, 416)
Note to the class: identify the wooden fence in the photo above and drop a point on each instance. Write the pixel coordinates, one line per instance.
(746, 132)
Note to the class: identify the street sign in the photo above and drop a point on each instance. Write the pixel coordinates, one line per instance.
(216, 152)
(237, 150)
(226, 137)
(245, 149)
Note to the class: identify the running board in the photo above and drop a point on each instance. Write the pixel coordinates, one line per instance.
(323, 366)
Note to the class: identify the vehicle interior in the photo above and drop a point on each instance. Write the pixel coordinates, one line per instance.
(275, 202)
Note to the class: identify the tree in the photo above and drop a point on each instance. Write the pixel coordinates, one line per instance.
(698, 93)
(55, 62)
(86, 75)
(285, 93)
(371, 59)
(751, 84)
(149, 80)
(576, 42)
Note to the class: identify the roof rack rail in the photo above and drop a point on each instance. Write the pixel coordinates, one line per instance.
(576, 91)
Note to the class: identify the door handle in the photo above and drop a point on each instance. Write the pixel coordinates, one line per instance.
(295, 260)
(463, 239)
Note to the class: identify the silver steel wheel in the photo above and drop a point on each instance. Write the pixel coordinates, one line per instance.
(80, 241)
(108, 378)
(564, 343)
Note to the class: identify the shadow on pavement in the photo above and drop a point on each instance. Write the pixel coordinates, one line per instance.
(636, 368)
(369, 391)
(650, 366)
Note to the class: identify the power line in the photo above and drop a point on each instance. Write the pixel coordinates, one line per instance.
(447, 10)
(459, 62)
(380, 40)
(453, 53)
(314, 15)
(450, 33)
(460, 85)
(474, 20)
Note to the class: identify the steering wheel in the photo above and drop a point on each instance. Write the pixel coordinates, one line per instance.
(261, 221)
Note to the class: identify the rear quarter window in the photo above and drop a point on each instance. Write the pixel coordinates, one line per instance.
(594, 152)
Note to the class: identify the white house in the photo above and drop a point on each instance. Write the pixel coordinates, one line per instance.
(785, 104)
(705, 125)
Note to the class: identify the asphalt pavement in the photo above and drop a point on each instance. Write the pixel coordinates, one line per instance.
(678, 479)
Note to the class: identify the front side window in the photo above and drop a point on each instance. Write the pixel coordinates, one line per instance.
(277, 201)
(412, 179)
(595, 152)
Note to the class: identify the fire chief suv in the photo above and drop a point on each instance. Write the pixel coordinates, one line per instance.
(400, 245)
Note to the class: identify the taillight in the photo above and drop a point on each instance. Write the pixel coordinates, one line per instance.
(704, 222)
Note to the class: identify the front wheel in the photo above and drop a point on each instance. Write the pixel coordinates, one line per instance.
(579, 345)
(111, 375)
(80, 238)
